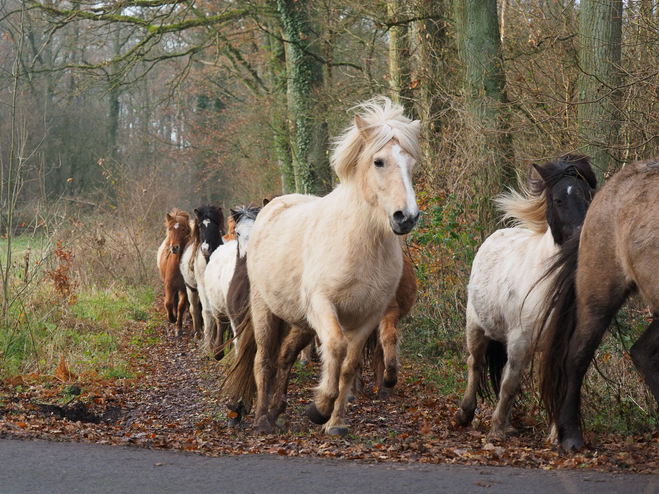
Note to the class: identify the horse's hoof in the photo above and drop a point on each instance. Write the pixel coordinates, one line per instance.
(351, 399)
(315, 416)
(573, 444)
(339, 430)
(263, 425)
(390, 383)
(234, 421)
(382, 393)
(496, 436)
(218, 355)
(464, 418)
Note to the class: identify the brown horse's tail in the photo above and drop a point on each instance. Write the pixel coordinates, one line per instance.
(240, 385)
(559, 321)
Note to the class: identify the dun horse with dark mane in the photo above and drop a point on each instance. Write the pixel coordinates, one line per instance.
(616, 255)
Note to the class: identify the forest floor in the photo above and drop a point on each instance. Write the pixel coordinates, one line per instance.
(172, 402)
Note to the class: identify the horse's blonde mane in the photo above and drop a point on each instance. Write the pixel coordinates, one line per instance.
(525, 208)
(380, 121)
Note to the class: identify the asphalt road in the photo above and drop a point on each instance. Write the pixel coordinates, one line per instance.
(52, 468)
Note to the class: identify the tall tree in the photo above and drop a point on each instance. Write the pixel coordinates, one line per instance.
(600, 36)
(400, 79)
(479, 48)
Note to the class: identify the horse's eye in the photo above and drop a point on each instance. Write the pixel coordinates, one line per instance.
(378, 162)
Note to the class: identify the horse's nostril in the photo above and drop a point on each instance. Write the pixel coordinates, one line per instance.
(399, 217)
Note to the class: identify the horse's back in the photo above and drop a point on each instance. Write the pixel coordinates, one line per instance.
(508, 264)
(218, 274)
(623, 224)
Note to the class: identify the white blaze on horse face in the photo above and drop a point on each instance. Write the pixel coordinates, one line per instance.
(569, 189)
(206, 222)
(243, 229)
(176, 226)
(403, 159)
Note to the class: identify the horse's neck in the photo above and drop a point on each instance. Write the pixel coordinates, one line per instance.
(366, 228)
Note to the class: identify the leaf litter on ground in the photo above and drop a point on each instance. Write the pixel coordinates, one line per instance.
(173, 403)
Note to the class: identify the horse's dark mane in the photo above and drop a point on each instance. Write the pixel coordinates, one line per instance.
(250, 212)
(558, 319)
(568, 165)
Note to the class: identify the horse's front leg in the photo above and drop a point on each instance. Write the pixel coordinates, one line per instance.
(388, 337)
(334, 345)
(645, 354)
(511, 382)
(183, 305)
(356, 339)
(585, 340)
(477, 344)
(195, 311)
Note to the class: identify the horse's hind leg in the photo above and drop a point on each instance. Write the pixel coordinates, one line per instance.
(477, 344)
(266, 334)
(645, 354)
(296, 340)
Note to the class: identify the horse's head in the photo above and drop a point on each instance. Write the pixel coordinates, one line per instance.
(209, 228)
(244, 218)
(379, 153)
(569, 184)
(178, 230)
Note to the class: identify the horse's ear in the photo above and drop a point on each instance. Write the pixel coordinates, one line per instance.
(265, 201)
(540, 171)
(360, 124)
(196, 212)
(169, 217)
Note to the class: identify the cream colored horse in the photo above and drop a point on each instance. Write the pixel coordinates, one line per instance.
(329, 266)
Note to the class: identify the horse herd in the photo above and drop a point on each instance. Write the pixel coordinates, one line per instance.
(332, 270)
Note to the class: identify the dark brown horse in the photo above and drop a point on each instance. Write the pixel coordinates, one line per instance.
(616, 255)
(169, 257)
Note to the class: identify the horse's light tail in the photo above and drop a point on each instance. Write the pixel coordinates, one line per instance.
(240, 384)
(559, 320)
(496, 357)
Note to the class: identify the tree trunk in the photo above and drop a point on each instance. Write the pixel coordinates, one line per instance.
(304, 82)
(479, 48)
(399, 56)
(600, 35)
(432, 69)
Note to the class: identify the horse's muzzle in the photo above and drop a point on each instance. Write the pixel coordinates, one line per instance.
(402, 224)
(174, 249)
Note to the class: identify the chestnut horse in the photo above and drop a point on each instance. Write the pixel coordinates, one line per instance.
(504, 293)
(169, 256)
(329, 266)
(617, 255)
(382, 346)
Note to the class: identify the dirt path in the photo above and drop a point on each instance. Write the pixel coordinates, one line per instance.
(173, 403)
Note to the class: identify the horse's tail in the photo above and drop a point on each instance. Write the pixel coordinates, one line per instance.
(558, 320)
(496, 357)
(240, 384)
